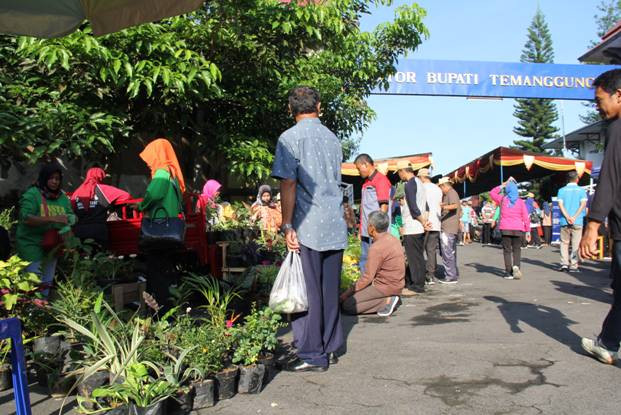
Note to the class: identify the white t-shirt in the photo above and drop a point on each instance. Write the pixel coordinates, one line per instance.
(434, 200)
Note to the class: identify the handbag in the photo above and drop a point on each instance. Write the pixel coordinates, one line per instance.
(51, 238)
(162, 233)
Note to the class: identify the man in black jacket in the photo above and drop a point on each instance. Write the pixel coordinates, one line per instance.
(607, 202)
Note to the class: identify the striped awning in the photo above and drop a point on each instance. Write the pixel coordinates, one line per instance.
(416, 161)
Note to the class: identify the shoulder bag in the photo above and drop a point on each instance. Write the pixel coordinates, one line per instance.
(163, 233)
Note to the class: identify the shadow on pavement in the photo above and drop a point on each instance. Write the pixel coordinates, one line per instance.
(547, 320)
(486, 269)
(590, 293)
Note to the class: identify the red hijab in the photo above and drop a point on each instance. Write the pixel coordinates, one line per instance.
(92, 181)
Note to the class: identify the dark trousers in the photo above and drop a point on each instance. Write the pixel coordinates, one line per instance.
(161, 274)
(486, 233)
(611, 329)
(414, 249)
(534, 237)
(547, 235)
(432, 240)
(512, 251)
(318, 331)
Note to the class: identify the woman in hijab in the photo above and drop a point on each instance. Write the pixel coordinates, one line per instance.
(265, 211)
(45, 218)
(547, 223)
(208, 201)
(91, 202)
(162, 199)
(514, 224)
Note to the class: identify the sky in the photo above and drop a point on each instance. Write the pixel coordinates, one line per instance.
(454, 129)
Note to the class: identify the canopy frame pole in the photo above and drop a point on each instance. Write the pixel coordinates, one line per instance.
(465, 190)
(502, 174)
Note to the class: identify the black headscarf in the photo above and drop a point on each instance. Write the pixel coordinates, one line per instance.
(44, 175)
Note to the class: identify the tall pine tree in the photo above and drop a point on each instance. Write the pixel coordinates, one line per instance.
(536, 117)
(610, 14)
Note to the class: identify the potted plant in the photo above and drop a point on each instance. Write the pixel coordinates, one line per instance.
(257, 336)
(142, 393)
(6, 223)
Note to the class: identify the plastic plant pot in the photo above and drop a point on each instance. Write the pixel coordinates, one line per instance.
(251, 378)
(226, 383)
(204, 394)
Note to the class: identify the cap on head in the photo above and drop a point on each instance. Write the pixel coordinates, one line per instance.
(423, 173)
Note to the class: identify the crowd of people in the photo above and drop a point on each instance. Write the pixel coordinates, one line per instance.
(428, 218)
(424, 214)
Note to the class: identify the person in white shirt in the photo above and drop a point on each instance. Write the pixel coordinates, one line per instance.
(433, 196)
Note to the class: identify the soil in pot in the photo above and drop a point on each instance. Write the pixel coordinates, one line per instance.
(155, 409)
(204, 393)
(226, 383)
(5, 377)
(269, 362)
(47, 345)
(180, 403)
(121, 410)
(85, 388)
(251, 378)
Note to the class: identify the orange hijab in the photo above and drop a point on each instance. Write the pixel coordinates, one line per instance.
(159, 154)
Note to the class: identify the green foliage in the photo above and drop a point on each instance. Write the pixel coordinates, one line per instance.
(7, 220)
(214, 81)
(17, 285)
(256, 335)
(536, 117)
(610, 14)
(138, 388)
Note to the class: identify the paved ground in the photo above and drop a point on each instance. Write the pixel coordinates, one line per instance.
(484, 346)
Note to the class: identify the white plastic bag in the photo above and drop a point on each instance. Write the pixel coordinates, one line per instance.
(289, 291)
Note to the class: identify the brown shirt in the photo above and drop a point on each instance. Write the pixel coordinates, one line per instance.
(450, 218)
(385, 267)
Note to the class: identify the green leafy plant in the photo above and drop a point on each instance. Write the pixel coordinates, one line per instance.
(256, 335)
(18, 286)
(7, 220)
(138, 388)
(75, 302)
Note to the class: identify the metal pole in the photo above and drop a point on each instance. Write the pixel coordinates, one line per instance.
(502, 174)
(563, 127)
(465, 194)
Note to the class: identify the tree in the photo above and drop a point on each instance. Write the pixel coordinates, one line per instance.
(215, 82)
(610, 14)
(536, 117)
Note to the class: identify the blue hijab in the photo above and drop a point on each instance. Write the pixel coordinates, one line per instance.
(530, 204)
(511, 191)
(546, 208)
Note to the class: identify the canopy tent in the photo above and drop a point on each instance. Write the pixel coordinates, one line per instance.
(55, 18)
(386, 166)
(493, 168)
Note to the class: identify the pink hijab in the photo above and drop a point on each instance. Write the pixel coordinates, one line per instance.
(209, 191)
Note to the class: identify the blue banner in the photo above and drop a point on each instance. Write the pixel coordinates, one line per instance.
(494, 79)
(556, 221)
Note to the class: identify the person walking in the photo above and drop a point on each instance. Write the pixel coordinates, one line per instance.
(375, 196)
(163, 199)
(451, 213)
(546, 223)
(514, 225)
(466, 212)
(534, 214)
(308, 164)
(45, 220)
(415, 223)
(572, 201)
(91, 203)
(433, 196)
(607, 203)
(487, 216)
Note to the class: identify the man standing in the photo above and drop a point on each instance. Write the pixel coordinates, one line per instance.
(607, 202)
(572, 200)
(308, 164)
(375, 196)
(413, 212)
(451, 213)
(487, 215)
(433, 196)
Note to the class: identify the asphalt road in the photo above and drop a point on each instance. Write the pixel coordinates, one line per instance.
(483, 346)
